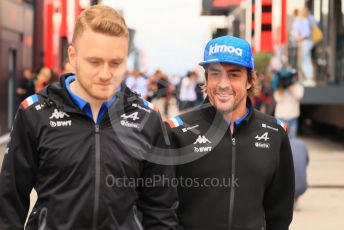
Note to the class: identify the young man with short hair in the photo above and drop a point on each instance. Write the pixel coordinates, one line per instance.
(81, 144)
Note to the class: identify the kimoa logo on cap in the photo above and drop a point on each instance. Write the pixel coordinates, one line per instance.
(223, 48)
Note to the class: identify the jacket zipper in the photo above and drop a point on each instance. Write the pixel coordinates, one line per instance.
(42, 219)
(97, 177)
(136, 219)
(232, 190)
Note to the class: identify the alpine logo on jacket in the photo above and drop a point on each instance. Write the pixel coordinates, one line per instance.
(130, 116)
(202, 140)
(263, 137)
(57, 114)
(133, 116)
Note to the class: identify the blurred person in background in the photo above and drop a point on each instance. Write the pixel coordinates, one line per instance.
(294, 27)
(301, 160)
(161, 88)
(288, 94)
(294, 61)
(302, 32)
(263, 100)
(26, 85)
(174, 90)
(137, 83)
(43, 78)
(187, 92)
(199, 91)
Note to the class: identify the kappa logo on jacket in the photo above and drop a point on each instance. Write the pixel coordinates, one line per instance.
(201, 140)
(58, 114)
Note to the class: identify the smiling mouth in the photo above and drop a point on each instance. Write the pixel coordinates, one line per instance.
(224, 95)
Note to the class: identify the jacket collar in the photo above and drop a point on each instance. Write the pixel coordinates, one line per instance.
(57, 95)
(210, 112)
(81, 102)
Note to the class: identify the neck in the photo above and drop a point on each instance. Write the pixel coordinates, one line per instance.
(80, 92)
(236, 114)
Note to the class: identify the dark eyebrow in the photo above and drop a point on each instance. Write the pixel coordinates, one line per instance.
(212, 68)
(234, 71)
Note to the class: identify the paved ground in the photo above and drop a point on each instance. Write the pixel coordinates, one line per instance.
(322, 206)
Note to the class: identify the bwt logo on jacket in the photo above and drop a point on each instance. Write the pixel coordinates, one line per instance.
(202, 140)
(223, 48)
(57, 114)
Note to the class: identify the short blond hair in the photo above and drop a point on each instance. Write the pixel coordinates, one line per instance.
(102, 19)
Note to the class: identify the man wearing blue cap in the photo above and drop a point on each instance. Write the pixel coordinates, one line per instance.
(234, 166)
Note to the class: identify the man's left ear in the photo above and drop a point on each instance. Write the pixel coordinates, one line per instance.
(71, 55)
(248, 85)
(253, 80)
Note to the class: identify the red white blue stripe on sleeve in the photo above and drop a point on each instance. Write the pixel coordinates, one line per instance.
(150, 105)
(175, 122)
(282, 124)
(29, 101)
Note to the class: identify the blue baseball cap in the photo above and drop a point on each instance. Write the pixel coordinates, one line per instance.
(228, 49)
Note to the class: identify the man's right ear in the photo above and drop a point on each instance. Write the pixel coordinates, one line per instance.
(72, 55)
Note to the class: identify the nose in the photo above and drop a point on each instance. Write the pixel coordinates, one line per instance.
(224, 82)
(105, 73)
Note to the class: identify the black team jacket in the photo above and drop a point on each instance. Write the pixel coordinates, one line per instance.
(243, 181)
(87, 175)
